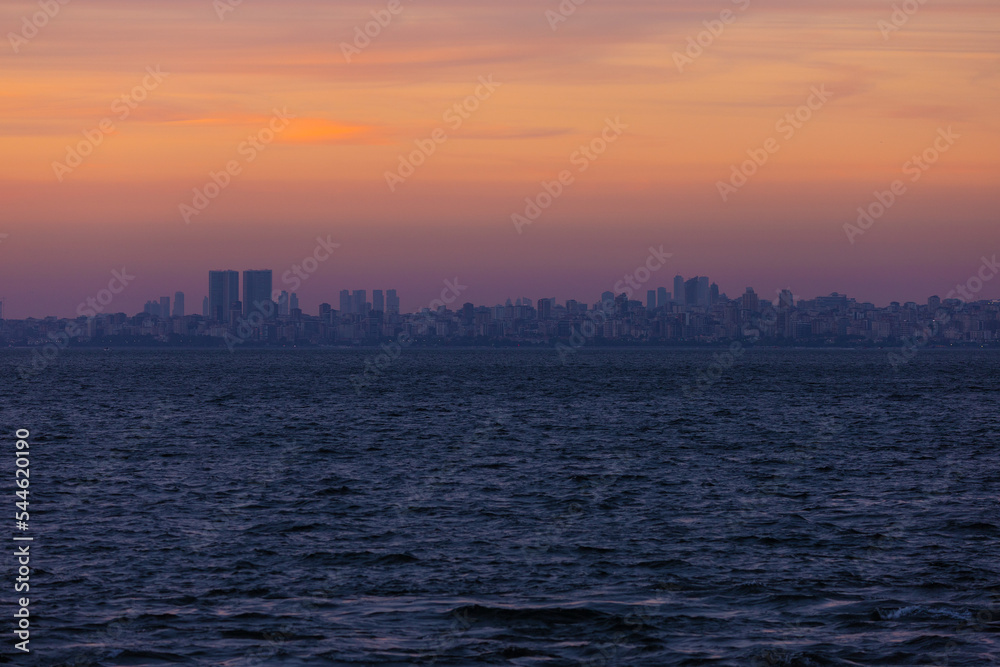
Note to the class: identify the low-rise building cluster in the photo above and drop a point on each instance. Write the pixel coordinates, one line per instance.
(711, 318)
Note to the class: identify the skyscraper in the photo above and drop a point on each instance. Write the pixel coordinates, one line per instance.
(391, 302)
(204, 307)
(691, 292)
(293, 302)
(223, 290)
(651, 299)
(256, 291)
(662, 296)
(178, 304)
(359, 301)
(345, 302)
(704, 292)
(679, 290)
(545, 308)
(378, 301)
(283, 304)
(164, 307)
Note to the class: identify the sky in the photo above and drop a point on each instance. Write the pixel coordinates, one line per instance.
(115, 115)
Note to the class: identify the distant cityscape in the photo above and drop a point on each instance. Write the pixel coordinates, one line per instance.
(693, 312)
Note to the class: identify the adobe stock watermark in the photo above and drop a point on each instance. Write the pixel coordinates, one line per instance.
(299, 273)
(364, 35)
(89, 308)
(725, 361)
(714, 28)
(966, 292)
(915, 168)
(565, 9)
(900, 16)
(122, 107)
(787, 126)
(30, 27)
(224, 7)
(581, 158)
(628, 285)
(974, 285)
(376, 366)
(292, 280)
(455, 116)
(248, 150)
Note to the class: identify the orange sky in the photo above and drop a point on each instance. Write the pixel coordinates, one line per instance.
(657, 184)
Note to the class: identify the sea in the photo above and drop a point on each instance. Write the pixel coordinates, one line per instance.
(506, 507)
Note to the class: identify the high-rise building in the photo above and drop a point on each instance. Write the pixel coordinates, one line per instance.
(750, 301)
(359, 301)
(621, 304)
(679, 290)
(691, 292)
(324, 311)
(345, 302)
(378, 301)
(178, 304)
(223, 290)
(662, 297)
(283, 304)
(545, 308)
(713, 294)
(391, 302)
(204, 307)
(164, 307)
(256, 291)
(651, 300)
(786, 299)
(293, 302)
(704, 292)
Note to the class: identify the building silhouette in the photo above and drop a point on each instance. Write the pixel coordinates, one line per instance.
(662, 297)
(223, 291)
(359, 302)
(256, 290)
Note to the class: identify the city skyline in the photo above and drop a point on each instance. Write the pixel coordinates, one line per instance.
(697, 291)
(699, 317)
(853, 151)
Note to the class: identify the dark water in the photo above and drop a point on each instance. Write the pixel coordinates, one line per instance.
(811, 508)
